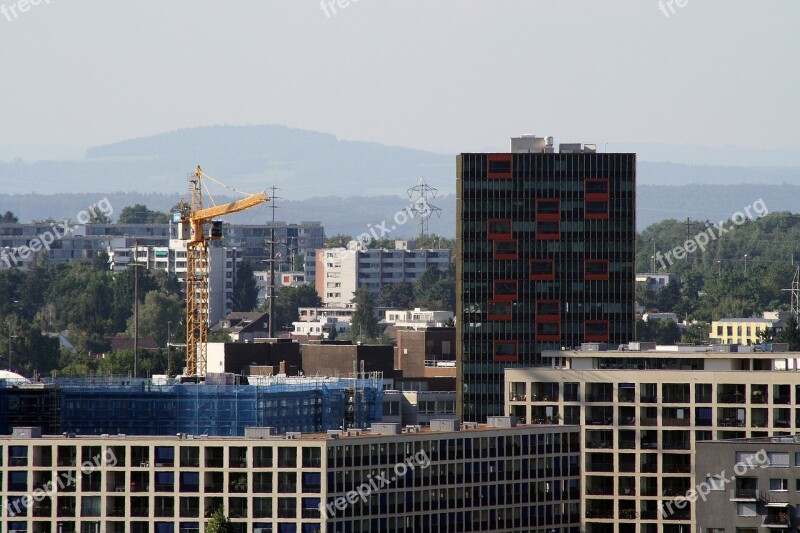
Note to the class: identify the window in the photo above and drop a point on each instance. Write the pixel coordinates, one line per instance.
(505, 290)
(596, 330)
(391, 408)
(542, 269)
(499, 228)
(546, 230)
(715, 530)
(499, 166)
(548, 331)
(427, 407)
(499, 310)
(746, 509)
(778, 484)
(596, 200)
(596, 269)
(596, 186)
(548, 308)
(596, 210)
(548, 209)
(505, 250)
(777, 459)
(505, 351)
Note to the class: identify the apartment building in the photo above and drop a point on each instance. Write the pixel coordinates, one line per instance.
(495, 478)
(747, 331)
(753, 485)
(340, 271)
(81, 242)
(223, 263)
(642, 414)
(417, 318)
(545, 259)
(291, 240)
(418, 407)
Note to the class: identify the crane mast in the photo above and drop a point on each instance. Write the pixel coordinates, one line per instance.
(194, 218)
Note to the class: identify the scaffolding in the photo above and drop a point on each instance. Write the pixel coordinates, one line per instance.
(129, 406)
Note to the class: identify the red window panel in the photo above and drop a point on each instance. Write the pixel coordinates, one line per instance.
(499, 228)
(499, 166)
(595, 209)
(505, 290)
(595, 269)
(498, 310)
(548, 311)
(548, 209)
(505, 250)
(548, 331)
(548, 229)
(595, 330)
(506, 351)
(542, 269)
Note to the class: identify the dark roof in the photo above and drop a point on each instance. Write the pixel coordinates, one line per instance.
(247, 322)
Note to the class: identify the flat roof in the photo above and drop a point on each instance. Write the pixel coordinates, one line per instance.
(659, 354)
(364, 433)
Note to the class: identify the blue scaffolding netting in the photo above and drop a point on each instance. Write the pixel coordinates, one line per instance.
(96, 406)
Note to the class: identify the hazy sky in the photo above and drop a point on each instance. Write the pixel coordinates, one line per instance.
(448, 76)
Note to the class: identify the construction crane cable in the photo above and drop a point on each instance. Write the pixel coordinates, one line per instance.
(223, 185)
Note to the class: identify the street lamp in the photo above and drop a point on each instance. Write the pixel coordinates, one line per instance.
(745, 264)
(719, 269)
(10, 336)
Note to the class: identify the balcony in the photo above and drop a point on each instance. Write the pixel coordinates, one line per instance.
(600, 513)
(676, 422)
(730, 423)
(745, 495)
(599, 398)
(777, 520)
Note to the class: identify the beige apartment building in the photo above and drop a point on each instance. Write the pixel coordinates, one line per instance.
(497, 477)
(641, 414)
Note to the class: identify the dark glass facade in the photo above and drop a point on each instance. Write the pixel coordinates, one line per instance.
(545, 259)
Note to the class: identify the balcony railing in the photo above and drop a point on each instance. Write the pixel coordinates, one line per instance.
(730, 423)
(777, 520)
(676, 422)
(599, 398)
(744, 495)
(599, 513)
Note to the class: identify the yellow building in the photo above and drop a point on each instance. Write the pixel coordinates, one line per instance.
(740, 330)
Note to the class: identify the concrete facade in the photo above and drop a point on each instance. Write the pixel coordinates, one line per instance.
(427, 352)
(642, 415)
(488, 478)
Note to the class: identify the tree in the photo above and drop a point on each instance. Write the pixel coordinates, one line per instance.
(338, 241)
(158, 309)
(400, 295)
(31, 351)
(96, 217)
(289, 300)
(697, 333)
(140, 214)
(790, 334)
(363, 324)
(436, 289)
(667, 332)
(9, 218)
(219, 523)
(244, 297)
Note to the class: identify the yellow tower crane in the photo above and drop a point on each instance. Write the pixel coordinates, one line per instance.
(193, 222)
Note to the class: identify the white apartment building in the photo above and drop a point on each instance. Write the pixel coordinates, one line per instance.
(222, 268)
(641, 414)
(340, 271)
(321, 328)
(280, 280)
(417, 318)
(493, 478)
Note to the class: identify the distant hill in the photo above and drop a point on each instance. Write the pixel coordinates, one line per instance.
(251, 158)
(346, 184)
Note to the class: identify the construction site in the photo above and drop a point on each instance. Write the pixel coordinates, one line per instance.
(97, 406)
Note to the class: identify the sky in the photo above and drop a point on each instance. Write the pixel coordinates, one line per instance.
(446, 76)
